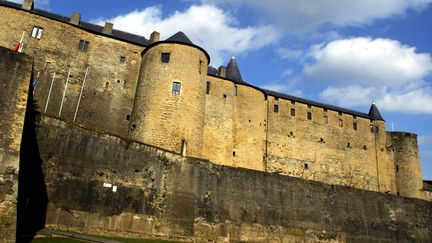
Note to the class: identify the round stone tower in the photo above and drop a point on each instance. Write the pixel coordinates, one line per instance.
(170, 99)
(407, 165)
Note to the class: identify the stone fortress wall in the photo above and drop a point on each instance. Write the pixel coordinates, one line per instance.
(123, 88)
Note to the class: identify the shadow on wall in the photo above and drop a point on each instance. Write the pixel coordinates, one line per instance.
(32, 194)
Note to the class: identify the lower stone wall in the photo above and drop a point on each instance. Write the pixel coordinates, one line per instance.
(15, 72)
(102, 184)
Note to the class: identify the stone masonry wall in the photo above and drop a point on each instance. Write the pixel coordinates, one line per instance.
(326, 148)
(110, 85)
(98, 183)
(15, 70)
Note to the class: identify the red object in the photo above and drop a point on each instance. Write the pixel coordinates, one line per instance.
(16, 47)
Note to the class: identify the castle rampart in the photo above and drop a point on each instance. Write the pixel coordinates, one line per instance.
(119, 83)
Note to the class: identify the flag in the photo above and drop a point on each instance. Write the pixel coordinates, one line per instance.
(16, 48)
(35, 81)
(19, 45)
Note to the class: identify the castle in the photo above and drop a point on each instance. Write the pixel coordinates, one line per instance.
(163, 93)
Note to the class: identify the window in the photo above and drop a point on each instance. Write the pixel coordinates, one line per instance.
(122, 59)
(235, 90)
(292, 112)
(397, 168)
(309, 106)
(325, 119)
(37, 32)
(276, 108)
(165, 57)
(83, 45)
(306, 166)
(176, 88)
(340, 123)
(200, 66)
(309, 115)
(292, 102)
(208, 88)
(355, 125)
(371, 127)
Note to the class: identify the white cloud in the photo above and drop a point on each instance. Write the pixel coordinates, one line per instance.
(286, 53)
(207, 26)
(424, 139)
(358, 71)
(412, 101)
(378, 62)
(306, 15)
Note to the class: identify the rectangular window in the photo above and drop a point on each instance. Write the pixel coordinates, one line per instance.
(200, 66)
(340, 123)
(83, 45)
(325, 119)
(165, 57)
(235, 90)
(371, 127)
(309, 115)
(292, 112)
(176, 88)
(122, 59)
(37, 32)
(208, 88)
(355, 125)
(276, 108)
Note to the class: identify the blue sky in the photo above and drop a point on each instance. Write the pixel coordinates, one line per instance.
(342, 52)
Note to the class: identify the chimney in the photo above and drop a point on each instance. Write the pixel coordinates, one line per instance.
(28, 5)
(75, 19)
(222, 71)
(154, 37)
(108, 28)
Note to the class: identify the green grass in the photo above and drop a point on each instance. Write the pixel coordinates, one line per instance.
(55, 240)
(52, 239)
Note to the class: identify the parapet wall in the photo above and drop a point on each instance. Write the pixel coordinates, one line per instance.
(104, 184)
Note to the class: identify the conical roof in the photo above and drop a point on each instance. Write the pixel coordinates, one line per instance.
(232, 71)
(212, 70)
(180, 37)
(374, 113)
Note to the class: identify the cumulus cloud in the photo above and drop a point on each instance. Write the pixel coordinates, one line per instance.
(206, 25)
(303, 16)
(374, 62)
(360, 70)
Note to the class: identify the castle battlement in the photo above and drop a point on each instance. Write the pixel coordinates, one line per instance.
(164, 93)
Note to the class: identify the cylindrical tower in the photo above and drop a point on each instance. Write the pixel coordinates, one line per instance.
(170, 99)
(407, 165)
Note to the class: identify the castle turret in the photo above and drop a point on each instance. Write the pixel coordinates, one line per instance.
(384, 170)
(406, 164)
(170, 99)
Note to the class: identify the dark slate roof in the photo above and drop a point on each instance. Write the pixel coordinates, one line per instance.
(180, 37)
(233, 72)
(374, 113)
(314, 103)
(116, 34)
(212, 71)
